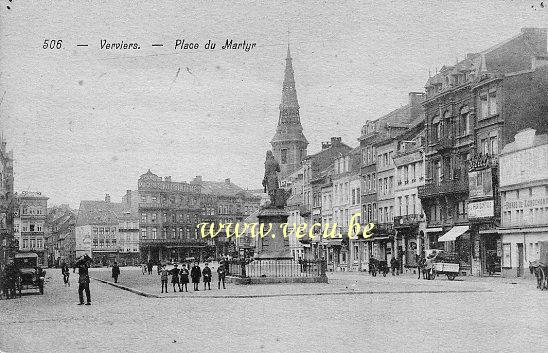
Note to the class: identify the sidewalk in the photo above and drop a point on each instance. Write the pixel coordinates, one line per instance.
(133, 280)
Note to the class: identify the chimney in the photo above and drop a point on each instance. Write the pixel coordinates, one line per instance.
(107, 198)
(227, 180)
(167, 178)
(336, 141)
(197, 180)
(416, 98)
(470, 56)
(326, 145)
(128, 197)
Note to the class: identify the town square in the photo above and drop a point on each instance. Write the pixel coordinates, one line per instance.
(352, 177)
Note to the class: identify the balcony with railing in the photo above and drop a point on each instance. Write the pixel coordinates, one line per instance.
(433, 189)
(384, 229)
(410, 220)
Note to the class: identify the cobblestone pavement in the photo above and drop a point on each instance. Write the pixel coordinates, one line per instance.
(487, 316)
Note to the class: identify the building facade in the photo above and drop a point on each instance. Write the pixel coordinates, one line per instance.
(524, 193)
(7, 240)
(471, 109)
(409, 219)
(30, 223)
(60, 229)
(107, 231)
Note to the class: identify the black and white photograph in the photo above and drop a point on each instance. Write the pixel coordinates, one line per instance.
(273, 176)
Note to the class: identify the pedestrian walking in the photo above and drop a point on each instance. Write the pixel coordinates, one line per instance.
(65, 270)
(175, 277)
(149, 267)
(394, 265)
(115, 271)
(206, 273)
(184, 277)
(428, 266)
(195, 274)
(420, 267)
(12, 277)
(83, 279)
(221, 273)
(164, 276)
(144, 268)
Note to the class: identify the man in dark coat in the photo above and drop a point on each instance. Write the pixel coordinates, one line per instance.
(175, 277)
(195, 274)
(149, 267)
(115, 272)
(221, 273)
(184, 277)
(207, 276)
(65, 270)
(83, 279)
(394, 265)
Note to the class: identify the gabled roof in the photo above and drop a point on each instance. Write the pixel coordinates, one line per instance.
(224, 188)
(101, 212)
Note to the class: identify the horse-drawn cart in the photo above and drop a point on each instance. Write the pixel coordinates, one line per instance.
(444, 264)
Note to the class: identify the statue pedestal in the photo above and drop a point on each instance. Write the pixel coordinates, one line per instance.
(273, 246)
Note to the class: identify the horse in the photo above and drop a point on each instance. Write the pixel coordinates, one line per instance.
(541, 273)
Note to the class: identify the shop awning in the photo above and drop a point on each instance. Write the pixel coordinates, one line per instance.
(454, 233)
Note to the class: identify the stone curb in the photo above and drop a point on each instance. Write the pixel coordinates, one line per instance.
(132, 290)
(148, 295)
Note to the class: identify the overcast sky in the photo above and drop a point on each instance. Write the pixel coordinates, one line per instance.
(84, 122)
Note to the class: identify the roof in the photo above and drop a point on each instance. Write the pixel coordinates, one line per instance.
(224, 188)
(102, 212)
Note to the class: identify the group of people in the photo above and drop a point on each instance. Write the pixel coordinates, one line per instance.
(180, 277)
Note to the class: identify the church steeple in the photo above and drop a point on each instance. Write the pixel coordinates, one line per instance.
(289, 144)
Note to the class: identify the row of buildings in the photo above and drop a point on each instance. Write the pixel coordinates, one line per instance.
(460, 167)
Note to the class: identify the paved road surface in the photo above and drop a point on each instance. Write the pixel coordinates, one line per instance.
(509, 318)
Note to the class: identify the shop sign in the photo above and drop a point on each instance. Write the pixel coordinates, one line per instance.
(481, 209)
(509, 205)
(480, 183)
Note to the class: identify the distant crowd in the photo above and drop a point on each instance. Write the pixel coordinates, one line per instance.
(180, 277)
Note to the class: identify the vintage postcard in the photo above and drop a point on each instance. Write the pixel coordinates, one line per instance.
(295, 176)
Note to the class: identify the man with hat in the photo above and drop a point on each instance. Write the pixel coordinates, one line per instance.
(83, 278)
(175, 277)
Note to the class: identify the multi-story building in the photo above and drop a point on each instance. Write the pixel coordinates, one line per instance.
(225, 202)
(169, 212)
(409, 220)
(60, 226)
(107, 231)
(378, 144)
(346, 188)
(29, 223)
(294, 183)
(471, 109)
(524, 197)
(318, 172)
(289, 143)
(7, 239)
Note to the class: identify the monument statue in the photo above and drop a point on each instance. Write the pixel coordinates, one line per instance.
(278, 197)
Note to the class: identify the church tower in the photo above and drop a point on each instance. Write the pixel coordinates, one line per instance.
(289, 144)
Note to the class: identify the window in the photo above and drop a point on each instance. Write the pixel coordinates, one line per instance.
(506, 255)
(154, 233)
(143, 233)
(492, 102)
(484, 106)
(484, 146)
(143, 217)
(284, 155)
(399, 206)
(494, 146)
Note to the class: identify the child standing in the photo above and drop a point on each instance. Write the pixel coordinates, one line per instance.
(164, 274)
(184, 278)
(175, 277)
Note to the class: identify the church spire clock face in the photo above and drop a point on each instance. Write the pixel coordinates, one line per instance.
(289, 144)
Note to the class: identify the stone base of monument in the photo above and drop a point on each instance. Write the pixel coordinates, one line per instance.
(274, 262)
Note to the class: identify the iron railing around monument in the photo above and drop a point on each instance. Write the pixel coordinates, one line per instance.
(276, 268)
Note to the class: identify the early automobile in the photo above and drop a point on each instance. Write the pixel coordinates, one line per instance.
(31, 276)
